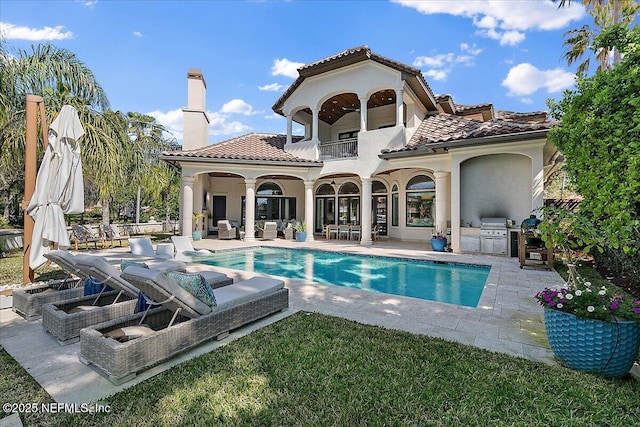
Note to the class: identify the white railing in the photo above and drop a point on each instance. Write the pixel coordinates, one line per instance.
(344, 148)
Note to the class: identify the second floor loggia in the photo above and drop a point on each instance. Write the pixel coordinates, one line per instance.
(342, 126)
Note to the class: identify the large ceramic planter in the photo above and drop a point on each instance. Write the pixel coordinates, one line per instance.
(301, 236)
(197, 235)
(438, 245)
(606, 348)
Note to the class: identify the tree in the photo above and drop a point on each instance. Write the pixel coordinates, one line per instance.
(600, 139)
(606, 14)
(578, 41)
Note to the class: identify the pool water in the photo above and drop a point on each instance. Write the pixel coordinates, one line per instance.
(459, 284)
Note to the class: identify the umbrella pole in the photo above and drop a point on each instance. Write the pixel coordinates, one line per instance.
(31, 153)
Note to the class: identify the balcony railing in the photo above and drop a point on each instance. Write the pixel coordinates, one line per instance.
(344, 148)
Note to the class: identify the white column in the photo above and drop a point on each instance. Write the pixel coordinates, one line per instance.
(399, 107)
(250, 210)
(314, 127)
(289, 128)
(365, 212)
(455, 205)
(537, 181)
(442, 199)
(308, 209)
(187, 205)
(363, 114)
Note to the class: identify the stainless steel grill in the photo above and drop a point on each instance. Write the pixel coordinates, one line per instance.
(493, 235)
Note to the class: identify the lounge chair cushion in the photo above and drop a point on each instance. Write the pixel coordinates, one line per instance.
(99, 268)
(160, 288)
(248, 290)
(126, 263)
(195, 284)
(127, 333)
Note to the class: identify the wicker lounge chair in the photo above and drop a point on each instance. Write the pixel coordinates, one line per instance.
(184, 247)
(28, 302)
(64, 319)
(143, 246)
(192, 322)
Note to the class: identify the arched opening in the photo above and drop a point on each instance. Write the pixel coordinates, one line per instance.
(421, 197)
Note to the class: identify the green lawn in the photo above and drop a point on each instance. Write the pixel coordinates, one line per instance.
(311, 369)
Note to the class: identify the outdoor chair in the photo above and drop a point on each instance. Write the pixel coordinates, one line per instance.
(64, 319)
(288, 232)
(84, 234)
(269, 232)
(28, 302)
(375, 232)
(111, 234)
(343, 230)
(225, 230)
(184, 247)
(143, 246)
(354, 232)
(332, 231)
(183, 322)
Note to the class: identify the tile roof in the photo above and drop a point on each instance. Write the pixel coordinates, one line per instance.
(533, 116)
(447, 127)
(252, 146)
(356, 54)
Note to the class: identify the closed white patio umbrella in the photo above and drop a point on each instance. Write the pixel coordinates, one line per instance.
(59, 187)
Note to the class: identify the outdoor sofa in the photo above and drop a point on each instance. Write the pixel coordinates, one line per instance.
(182, 323)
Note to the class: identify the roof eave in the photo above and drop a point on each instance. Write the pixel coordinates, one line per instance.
(179, 159)
(432, 149)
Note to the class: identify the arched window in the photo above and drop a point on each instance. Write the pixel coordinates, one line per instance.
(269, 189)
(395, 206)
(325, 190)
(378, 187)
(349, 188)
(420, 198)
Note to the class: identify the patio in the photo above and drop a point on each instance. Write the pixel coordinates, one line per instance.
(507, 319)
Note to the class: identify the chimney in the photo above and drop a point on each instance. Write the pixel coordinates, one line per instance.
(195, 120)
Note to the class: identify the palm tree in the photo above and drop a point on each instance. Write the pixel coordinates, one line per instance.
(60, 78)
(605, 15)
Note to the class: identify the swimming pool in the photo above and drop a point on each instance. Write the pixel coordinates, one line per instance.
(459, 284)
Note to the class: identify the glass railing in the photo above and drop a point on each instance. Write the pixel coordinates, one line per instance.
(342, 149)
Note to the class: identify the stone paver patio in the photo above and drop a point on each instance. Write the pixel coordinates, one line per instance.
(507, 319)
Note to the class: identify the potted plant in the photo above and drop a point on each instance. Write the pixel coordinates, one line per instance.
(438, 240)
(197, 232)
(589, 329)
(300, 229)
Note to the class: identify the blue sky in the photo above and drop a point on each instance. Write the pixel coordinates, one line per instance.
(506, 52)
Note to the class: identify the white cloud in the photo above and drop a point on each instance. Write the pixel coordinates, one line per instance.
(137, 33)
(440, 65)
(273, 116)
(90, 3)
(527, 101)
(284, 67)
(505, 21)
(437, 75)
(525, 79)
(238, 106)
(15, 32)
(219, 124)
(273, 87)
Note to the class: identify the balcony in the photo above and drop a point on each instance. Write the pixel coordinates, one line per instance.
(342, 149)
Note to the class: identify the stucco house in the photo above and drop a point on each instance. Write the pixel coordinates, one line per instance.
(379, 148)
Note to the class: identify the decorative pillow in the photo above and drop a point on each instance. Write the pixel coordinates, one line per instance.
(124, 264)
(195, 284)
